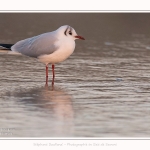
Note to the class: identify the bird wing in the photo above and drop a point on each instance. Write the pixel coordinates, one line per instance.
(37, 45)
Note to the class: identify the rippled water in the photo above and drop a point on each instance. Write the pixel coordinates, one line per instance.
(102, 90)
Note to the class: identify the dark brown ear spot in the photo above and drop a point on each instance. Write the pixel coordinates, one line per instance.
(66, 31)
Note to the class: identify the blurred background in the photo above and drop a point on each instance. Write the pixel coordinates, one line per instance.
(16, 26)
(101, 90)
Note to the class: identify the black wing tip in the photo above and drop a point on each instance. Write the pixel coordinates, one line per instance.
(6, 46)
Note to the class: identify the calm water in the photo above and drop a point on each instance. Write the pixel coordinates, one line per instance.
(102, 90)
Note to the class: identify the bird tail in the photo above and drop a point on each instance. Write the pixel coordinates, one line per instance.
(6, 46)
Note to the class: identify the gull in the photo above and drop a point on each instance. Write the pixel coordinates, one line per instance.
(49, 48)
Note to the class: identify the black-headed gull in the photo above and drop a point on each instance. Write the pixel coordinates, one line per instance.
(49, 48)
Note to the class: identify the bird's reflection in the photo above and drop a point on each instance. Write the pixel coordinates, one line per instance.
(52, 99)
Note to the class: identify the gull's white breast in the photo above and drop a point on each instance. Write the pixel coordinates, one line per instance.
(65, 49)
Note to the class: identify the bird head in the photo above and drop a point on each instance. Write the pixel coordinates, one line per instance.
(67, 31)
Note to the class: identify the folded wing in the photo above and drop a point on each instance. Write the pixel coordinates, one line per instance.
(37, 45)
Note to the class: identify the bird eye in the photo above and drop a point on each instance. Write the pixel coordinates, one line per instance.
(70, 33)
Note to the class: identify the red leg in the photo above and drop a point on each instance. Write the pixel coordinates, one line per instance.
(46, 74)
(46, 70)
(53, 67)
(53, 70)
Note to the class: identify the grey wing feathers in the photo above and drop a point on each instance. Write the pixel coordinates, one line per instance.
(37, 45)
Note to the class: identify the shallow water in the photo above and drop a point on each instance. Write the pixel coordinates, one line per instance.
(102, 90)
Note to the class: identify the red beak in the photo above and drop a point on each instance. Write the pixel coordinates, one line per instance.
(80, 37)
